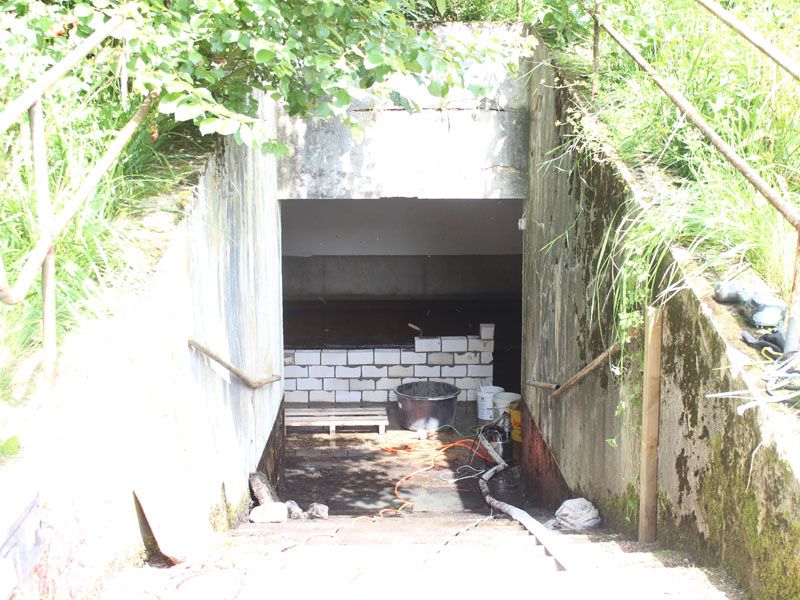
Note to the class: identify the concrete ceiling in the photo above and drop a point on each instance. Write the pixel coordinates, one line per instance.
(401, 226)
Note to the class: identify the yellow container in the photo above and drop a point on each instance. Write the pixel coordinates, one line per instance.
(515, 413)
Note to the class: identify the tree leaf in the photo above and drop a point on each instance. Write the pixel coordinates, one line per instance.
(10, 447)
(441, 6)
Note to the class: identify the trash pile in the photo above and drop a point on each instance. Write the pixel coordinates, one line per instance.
(270, 509)
(761, 309)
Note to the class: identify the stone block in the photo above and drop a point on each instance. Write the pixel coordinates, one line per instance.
(467, 383)
(426, 371)
(440, 358)
(412, 379)
(454, 344)
(487, 331)
(320, 396)
(467, 358)
(413, 358)
(294, 371)
(307, 357)
(472, 395)
(449, 380)
(289, 385)
(358, 385)
(479, 370)
(371, 371)
(387, 356)
(296, 396)
(457, 371)
(360, 357)
(288, 357)
(321, 371)
(348, 396)
(392, 396)
(401, 371)
(476, 344)
(387, 383)
(429, 344)
(487, 358)
(309, 383)
(340, 385)
(462, 396)
(378, 396)
(348, 372)
(334, 358)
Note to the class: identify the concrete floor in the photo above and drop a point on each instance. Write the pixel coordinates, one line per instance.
(354, 474)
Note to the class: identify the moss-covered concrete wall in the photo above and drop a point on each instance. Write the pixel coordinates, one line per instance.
(728, 484)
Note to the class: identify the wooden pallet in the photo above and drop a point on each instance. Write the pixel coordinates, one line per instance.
(336, 417)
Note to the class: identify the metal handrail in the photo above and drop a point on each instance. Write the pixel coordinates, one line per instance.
(786, 209)
(250, 382)
(41, 256)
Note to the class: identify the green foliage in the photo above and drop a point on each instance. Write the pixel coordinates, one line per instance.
(9, 447)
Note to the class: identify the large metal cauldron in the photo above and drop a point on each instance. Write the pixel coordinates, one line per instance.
(426, 405)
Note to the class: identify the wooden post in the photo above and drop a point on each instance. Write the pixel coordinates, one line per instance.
(651, 398)
(44, 211)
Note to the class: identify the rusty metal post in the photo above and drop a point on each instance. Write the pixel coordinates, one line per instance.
(793, 322)
(595, 54)
(651, 400)
(44, 211)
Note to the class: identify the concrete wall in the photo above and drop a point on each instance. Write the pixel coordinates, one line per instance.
(135, 411)
(728, 484)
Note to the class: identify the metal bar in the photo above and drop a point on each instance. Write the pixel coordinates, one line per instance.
(792, 342)
(651, 400)
(27, 274)
(595, 54)
(779, 57)
(241, 375)
(44, 211)
(22, 103)
(543, 385)
(788, 210)
(580, 375)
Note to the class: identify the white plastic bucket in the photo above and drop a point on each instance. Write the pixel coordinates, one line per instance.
(485, 394)
(501, 401)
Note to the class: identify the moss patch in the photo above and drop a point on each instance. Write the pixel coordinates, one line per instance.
(621, 511)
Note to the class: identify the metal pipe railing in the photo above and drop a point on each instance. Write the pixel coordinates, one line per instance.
(787, 210)
(42, 255)
(249, 381)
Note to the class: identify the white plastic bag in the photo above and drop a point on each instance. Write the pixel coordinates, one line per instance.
(576, 514)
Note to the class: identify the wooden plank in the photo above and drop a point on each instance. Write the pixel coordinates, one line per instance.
(651, 398)
(334, 411)
(300, 422)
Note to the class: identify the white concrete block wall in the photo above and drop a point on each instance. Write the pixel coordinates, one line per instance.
(372, 374)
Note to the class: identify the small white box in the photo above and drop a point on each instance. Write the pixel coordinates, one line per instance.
(467, 358)
(289, 385)
(320, 396)
(309, 384)
(387, 383)
(476, 344)
(454, 344)
(486, 358)
(320, 371)
(401, 371)
(296, 396)
(358, 385)
(440, 358)
(427, 344)
(370, 371)
(387, 356)
(457, 371)
(348, 372)
(381, 396)
(336, 385)
(334, 358)
(360, 357)
(413, 358)
(426, 371)
(487, 331)
(479, 370)
(348, 396)
(306, 357)
(293, 371)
